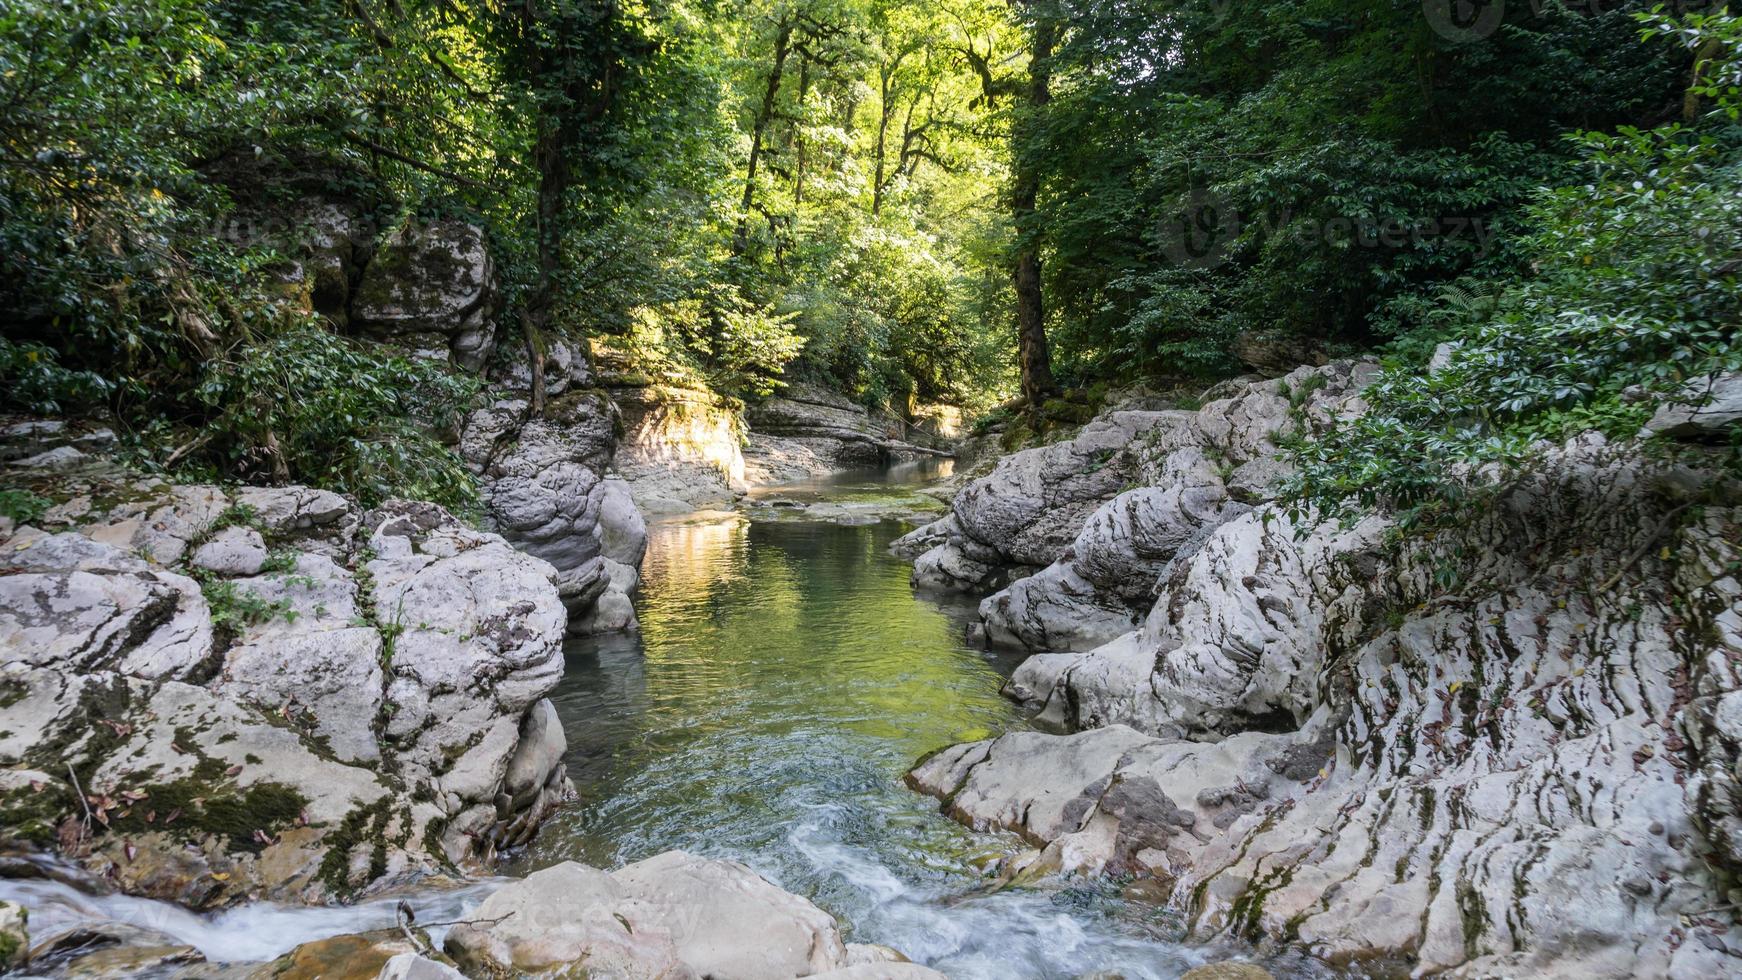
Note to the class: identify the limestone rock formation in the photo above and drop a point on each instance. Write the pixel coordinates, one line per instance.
(547, 493)
(361, 704)
(675, 915)
(1078, 533)
(681, 449)
(807, 431)
(1507, 750)
(430, 286)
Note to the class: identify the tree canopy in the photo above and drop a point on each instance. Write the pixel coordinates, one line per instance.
(906, 201)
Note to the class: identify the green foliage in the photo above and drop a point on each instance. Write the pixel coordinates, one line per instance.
(22, 506)
(235, 608)
(745, 345)
(355, 417)
(118, 119)
(1318, 167)
(1634, 300)
(36, 382)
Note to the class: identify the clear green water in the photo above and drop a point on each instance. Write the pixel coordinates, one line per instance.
(785, 678)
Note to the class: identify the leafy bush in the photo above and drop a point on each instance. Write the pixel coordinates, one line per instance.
(23, 506)
(304, 404)
(1634, 300)
(123, 297)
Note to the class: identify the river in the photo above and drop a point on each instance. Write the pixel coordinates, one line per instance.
(785, 677)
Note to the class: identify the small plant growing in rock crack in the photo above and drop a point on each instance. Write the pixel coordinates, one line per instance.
(23, 506)
(390, 633)
(1298, 397)
(234, 608)
(237, 515)
(279, 561)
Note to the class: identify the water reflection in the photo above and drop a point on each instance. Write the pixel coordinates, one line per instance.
(785, 678)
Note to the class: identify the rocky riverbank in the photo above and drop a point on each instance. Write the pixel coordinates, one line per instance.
(214, 696)
(672, 916)
(1505, 750)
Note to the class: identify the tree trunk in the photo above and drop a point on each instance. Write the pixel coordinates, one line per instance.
(804, 85)
(764, 113)
(885, 85)
(1033, 356)
(551, 162)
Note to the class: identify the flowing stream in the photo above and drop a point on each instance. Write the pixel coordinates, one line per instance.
(786, 676)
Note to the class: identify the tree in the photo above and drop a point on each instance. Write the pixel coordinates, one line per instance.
(571, 56)
(1032, 349)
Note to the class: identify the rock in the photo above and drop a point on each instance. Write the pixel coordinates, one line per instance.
(1227, 971)
(387, 953)
(881, 971)
(807, 431)
(1276, 352)
(308, 733)
(258, 805)
(670, 916)
(859, 954)
(477, 641)
(34, 437)
(232, 552)
(728, 922)
(431, 285)
(681, 449)
(331, 678)
(547, 497)
(1312, 736)
(116, 950)
(58, 458)
(14, 936)
(410, 966)
(565, 368)
(564, 915)
(317, 521)
(1078, 550)
(538, 754)
(157, 522)
(75, 604)
(1715, 412)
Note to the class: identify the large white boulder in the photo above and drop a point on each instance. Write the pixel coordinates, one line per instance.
(675, 915)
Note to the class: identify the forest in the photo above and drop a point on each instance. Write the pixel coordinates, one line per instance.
(1000, 206)
(871, 489)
